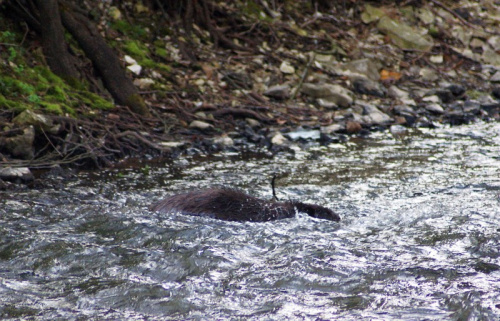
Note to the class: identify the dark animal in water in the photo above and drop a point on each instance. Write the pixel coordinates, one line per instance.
(233, 205)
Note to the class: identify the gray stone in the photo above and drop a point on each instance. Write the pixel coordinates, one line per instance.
(200, 124)
(404, 110)
(333, 93)
(280, 92)
(29, 117)
(373, 116)
(435, 108)
(224, 140)
(401, 95)
(252, 122)
(398, 130)
(21, 145)
(365, 86)
(371, 14)
(278, 139)
(332, 128)
(366, 67)
(17, 174)
(403, 35)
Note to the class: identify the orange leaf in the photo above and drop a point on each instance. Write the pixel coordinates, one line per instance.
(389, 75)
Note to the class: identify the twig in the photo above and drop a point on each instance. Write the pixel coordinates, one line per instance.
(453, 13)
(304, 75)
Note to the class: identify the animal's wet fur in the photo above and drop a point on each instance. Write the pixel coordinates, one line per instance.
(233, 205)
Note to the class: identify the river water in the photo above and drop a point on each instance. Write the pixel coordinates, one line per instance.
(419, 237)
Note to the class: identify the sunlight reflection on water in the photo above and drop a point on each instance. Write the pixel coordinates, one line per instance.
(419, 239)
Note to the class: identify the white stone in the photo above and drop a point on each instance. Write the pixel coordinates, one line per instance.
(286, 68)
(435, 108)
(199, 124)
(136, 69)
(278, 139)
(144, 83)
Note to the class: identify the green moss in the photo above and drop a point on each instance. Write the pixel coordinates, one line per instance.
(13, 104)
(137, 50)
(94, 101)
(52, 108)
(162, 52)
(124, 27)
(474, 94)
(136, 103)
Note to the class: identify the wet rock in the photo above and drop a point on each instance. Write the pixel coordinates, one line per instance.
(366, 67)
(456, 89)
(401, 95)
(496, 92)
(198, 124)
(373, 116)
(21, 145)
(445, 95)
(496, 77)
(280, 92)
(365, 86)
(333, 93)
(471, 106)
(278, 139)
(56, 171)
(435, 108)
(398, 130)
(304, 134)
(403, 35)
(334, 128)
(224, 140)
(237, 80)
(16, 175)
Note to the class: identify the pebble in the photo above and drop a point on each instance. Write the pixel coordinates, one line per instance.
(199, 124)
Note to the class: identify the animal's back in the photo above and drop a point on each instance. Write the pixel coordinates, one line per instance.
(225, 204)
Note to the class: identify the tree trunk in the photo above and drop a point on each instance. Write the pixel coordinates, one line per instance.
(104, 59)
(54, 46)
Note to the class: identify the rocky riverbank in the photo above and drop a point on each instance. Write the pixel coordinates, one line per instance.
(306, 76)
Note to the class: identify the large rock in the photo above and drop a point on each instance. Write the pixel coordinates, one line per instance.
(333, 93)
(39, 121)
(20, 146)
(403, 35)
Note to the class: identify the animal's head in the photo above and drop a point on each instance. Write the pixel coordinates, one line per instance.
(317, 211)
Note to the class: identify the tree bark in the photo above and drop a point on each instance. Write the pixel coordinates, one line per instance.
(104, 59)
(54, 46)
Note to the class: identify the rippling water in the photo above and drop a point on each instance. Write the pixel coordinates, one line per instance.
(419, 238)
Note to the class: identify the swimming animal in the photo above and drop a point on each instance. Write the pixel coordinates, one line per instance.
(233, 205)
